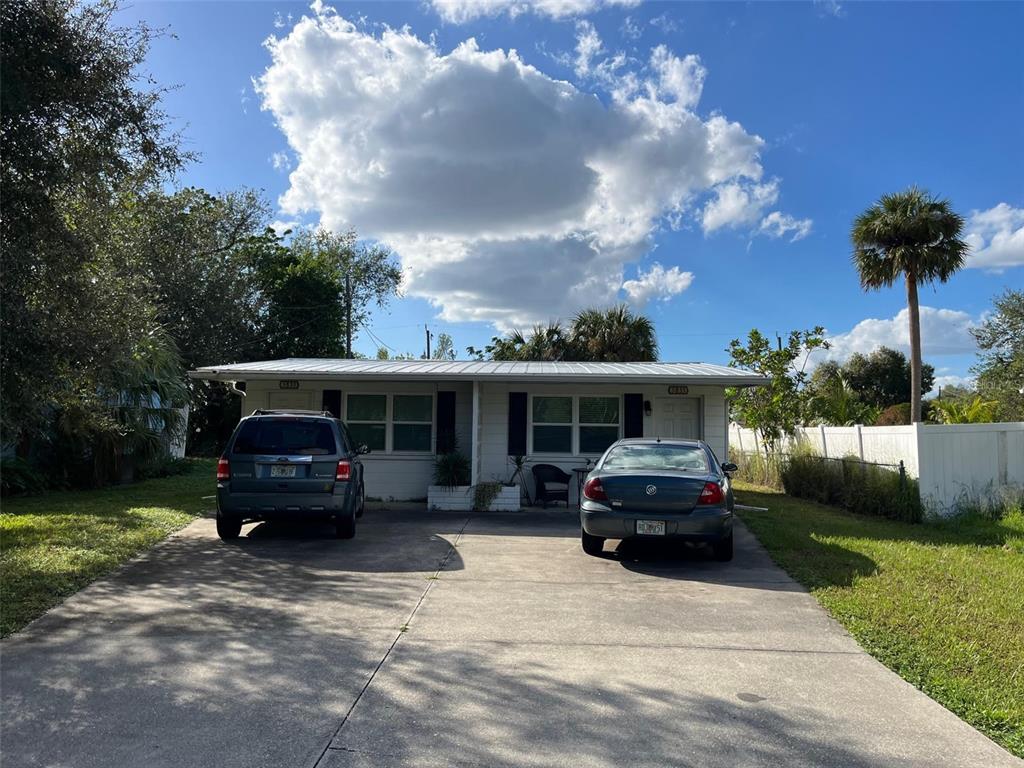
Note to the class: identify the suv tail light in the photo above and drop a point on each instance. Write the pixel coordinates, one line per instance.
(223, 469)
(594, 491)
(344, 470)
(711, 495)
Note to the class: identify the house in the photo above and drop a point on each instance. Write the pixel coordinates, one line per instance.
(560, 413)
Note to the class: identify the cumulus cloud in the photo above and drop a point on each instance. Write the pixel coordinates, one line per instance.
(509, 196)
(657, 283)
(461, 11)
(777, 224)
(738, 204)
(588, 46)
(281, 161)
(996, 237)
(943, 332)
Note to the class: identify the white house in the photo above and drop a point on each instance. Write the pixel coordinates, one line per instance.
(407, 411)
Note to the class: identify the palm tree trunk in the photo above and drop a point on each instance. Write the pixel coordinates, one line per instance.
(915, 348)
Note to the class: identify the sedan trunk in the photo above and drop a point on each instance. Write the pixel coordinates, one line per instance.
(652, 492)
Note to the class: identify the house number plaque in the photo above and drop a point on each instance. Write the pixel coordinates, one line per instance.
(679, 390)
(288, 384)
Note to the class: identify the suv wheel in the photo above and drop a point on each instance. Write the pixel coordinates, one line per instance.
(361, 501)
(723, 549)
(345, 526)
(592, 545)
(228, 528)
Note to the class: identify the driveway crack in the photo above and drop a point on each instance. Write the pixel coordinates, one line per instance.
(398, 636)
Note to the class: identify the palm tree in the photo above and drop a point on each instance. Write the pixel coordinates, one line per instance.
(914, 236)
(613, 335)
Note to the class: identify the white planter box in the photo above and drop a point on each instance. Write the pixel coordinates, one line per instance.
(460, 498)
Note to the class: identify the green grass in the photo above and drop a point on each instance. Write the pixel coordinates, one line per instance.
(939, 603)
(53, 545)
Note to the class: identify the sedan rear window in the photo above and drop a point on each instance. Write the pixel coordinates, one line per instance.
(679, 457)
(310, 437)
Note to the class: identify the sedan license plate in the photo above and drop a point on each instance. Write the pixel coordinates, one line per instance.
(650, 527)
(277, 470)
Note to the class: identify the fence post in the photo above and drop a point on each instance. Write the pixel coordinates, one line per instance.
(739, 438)
(860, 442)
(824, 445)
(903, 476)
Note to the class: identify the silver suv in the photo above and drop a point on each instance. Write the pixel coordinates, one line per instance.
(290, 465)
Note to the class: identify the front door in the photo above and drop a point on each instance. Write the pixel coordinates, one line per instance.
(677, 417)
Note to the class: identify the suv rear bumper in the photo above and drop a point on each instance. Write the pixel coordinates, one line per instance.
(269, 506)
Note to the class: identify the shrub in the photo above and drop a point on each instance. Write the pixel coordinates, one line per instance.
(162, 466)
(17, 476)
(862, 488)
(451, 469)
(757, 469)
(894, 415)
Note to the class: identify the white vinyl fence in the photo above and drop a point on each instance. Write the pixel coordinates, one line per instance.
(955, 464)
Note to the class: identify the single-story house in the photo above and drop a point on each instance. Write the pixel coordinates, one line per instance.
(408, 411)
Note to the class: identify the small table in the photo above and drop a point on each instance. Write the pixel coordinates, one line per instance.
(581, 473)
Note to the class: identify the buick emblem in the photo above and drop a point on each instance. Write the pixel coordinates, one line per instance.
(651, 490)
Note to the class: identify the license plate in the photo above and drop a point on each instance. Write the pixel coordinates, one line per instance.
(282, 471)
(650, 527)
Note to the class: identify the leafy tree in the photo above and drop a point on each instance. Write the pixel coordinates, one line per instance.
(774, 409)
(837, 403)
(883, 377)
(1000, 369)
(75, 125)
(975, 411)
(445, 347)
(914, 237)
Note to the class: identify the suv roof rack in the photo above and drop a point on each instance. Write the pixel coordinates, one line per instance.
(290, 412)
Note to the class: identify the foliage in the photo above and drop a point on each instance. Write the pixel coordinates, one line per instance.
(1000, 369)
(914, 237)
(835, 402)
(758, 469)
(18, 477)
(939, 603)
(894, 416)
(595, 335)
(57, 543)
(773, 409)
(882, 378)
(444, 349)
(451, 469)
(955, 411)
(163, 466)
(76, 125)
(484, 495)
(857, 486)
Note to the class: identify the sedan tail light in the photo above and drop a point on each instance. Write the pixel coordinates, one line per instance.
(711, 495)
(594, 491)
(223, 469)
(344, 470)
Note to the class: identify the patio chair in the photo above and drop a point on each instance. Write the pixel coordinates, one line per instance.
(552, 484)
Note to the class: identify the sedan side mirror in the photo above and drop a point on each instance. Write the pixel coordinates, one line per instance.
(363, 449)
(729, 467)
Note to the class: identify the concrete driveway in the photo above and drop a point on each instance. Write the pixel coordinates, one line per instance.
(442, 640)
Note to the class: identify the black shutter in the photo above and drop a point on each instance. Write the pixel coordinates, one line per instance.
(633, 423)
(445, 422)
(516, 423)
(331, 402)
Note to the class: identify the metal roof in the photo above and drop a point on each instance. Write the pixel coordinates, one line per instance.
(481, 370)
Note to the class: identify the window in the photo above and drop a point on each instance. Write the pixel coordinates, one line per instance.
(302, 437)
(391, 422)
(584, 424)
(552, 425)
(599, 423)
(367, 420)
(413, 421)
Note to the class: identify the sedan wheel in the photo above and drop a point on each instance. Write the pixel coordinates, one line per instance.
(723, 549)
(592, 545)
(345, 527)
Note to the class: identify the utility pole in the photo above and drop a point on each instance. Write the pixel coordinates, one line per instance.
(426, 330)
(348, 316)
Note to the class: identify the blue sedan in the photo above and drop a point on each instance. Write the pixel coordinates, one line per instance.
(650, 488)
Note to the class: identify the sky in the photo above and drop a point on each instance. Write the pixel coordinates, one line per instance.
(701, 162)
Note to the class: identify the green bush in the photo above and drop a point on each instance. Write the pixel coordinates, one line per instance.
(862, 488)
(757, 469)
(451, 469)
(163, 466)
(17, 477)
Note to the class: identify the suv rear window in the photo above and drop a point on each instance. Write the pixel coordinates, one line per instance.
(306, 437)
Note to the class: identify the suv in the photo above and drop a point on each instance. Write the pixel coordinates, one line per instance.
(290, 465)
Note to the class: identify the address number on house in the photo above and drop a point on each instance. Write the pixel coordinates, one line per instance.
(679, 390)
(288, 384)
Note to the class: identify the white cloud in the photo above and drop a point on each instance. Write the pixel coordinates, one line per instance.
(461, 11)
(665, 23)
(951, 380)
(996, 237)
(777, 224)
(657, 283)
(281, 161)
(509, 196)
(943, 332)
(630, 29)
(588, 46)
(738, 204)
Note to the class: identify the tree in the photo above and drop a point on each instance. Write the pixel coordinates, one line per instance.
(773, 409)
(883, 377)
(75, 125)
(1000, 369)
(914, 237)
(445, 347)
(836, 403)
(950, 411)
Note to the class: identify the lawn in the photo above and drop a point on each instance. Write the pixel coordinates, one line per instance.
(53, 545)
(941, 604)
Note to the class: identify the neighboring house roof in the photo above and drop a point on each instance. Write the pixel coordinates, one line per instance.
(482, 370)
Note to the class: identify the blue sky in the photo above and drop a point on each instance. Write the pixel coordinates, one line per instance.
(615, 155)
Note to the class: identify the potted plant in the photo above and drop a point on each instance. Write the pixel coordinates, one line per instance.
(452, 490)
